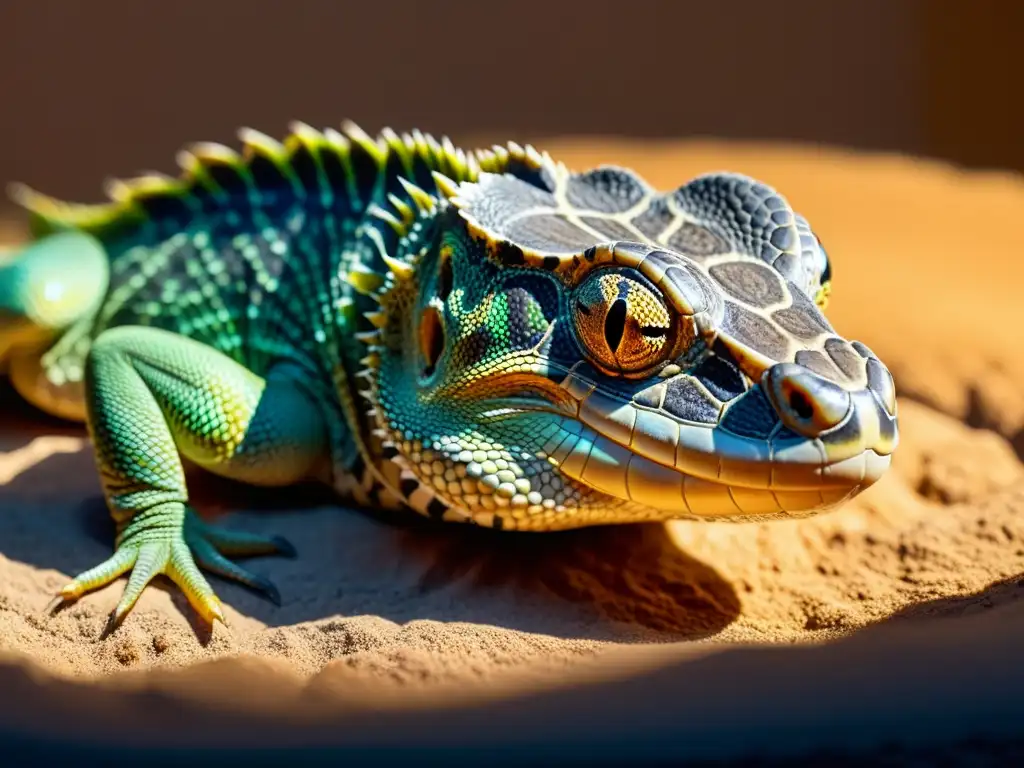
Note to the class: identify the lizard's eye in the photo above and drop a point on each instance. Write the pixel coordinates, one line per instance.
(623, 325)
(431, 331)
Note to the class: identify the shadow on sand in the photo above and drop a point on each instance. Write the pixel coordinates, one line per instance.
(616, 583)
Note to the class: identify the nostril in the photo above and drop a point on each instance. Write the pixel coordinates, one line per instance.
(806, 402)
(801, 405)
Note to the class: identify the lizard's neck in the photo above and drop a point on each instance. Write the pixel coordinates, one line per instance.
(363, 469)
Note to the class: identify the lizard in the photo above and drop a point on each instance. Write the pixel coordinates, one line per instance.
(482, 336)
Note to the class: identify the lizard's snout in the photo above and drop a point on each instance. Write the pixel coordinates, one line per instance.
(855, 428)
(807, 403)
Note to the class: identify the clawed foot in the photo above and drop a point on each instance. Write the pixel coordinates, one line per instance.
(181, 554)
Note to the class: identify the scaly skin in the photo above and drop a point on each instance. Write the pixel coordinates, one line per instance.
(310, 311)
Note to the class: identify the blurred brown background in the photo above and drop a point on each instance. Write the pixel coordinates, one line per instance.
(113, 87)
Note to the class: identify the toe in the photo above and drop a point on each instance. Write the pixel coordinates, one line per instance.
(240, 543)
(149, 563)
(211, 560)
(94, 578)
(184, 572)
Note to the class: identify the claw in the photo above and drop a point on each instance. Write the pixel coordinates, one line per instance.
(112, 624)
(273, 595)
(209, 608)
(58, 602)
(199, 546)
(210, 559)
(99, 576)
(284, 547)
(242, 544)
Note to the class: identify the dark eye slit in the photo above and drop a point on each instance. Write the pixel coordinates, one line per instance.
(615, 324)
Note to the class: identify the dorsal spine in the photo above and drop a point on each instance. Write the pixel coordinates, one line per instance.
(344, 171)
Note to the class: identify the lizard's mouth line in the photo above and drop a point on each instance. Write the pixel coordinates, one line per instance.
(703, 471)
(697, 455)
(715, 455)
(534, 393)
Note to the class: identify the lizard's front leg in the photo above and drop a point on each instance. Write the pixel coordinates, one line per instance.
(152, 397)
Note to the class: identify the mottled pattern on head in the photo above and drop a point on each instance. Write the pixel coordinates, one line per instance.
(584, 348)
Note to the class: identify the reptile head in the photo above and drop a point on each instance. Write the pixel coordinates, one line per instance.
(575, 349)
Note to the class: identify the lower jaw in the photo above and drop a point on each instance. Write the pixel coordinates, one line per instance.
(640, 483)
(726, 505)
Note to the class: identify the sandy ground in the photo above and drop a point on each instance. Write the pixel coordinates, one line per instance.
(686, 639)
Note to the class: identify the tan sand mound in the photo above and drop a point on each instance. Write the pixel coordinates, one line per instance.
(386, 613)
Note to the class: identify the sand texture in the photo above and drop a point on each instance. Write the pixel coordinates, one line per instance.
(902, 606)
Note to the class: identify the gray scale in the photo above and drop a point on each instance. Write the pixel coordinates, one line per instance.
(610, 228)
(608, 189)
(845, 358)
(688, 401)
(696, 241)
(655, 219)
(815, 361)
(755, 331)
(720, 376)
(801, 318)
(751, 415)
(549, 232)
(755, 284)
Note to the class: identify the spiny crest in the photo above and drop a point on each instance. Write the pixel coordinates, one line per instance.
(524, 162)
(365, 280)
(449, 188)
(370, 362)
(377, 318)
(416, 147)
(528, 167)
(401, 218)
(329, 167)
(422, 200)
(471, 199)
(401, 235)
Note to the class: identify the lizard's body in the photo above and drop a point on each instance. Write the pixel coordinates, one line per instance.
(243, 316)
